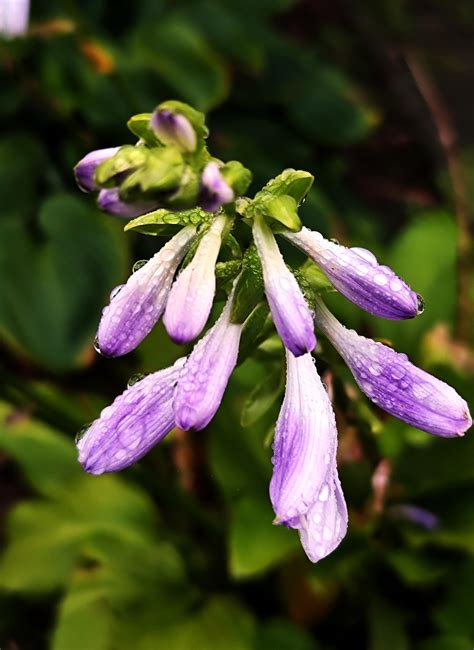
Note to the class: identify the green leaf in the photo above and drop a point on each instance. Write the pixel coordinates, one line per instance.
(255, 545)
(280, 634)
(175, 50)
(139, 125)
(334, 113)
(52, 290)
(223, 624)
(237, 176)
(161, 171)
(163, 222)
(263, 396)
(387, 625)
(85, 619)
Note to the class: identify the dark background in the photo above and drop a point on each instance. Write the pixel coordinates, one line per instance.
(178, 553)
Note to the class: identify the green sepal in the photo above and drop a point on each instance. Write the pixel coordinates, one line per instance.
(139, 125)
(284, 209)
(249, 290)
(255, 330)
(237, 176)
(291, 182)
(161, 172)
(230, 248)
(128, 158)
(187, 193)
(164, 222)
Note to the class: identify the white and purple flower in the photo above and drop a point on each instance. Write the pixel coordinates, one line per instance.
(215, 191)
(85, 169)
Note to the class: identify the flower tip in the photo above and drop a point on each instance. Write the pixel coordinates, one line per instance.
(278, 520)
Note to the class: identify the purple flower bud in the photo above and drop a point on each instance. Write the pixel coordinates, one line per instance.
(136, 308)
(215, 191)
(174, 129)
(14, 16)
(416, 515)
(85, 169)
(357, 275)
(204, 377)
(396, 385)
(290, 311)
(110, 201)
(305, 489)
(136, 421)
(192, 294)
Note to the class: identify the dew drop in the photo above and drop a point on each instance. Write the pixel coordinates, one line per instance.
(324, 493)
(134, 379)
(367, 255)
(116, 291)
(82, 432)
(334, 240)
(421, 304)
(97, 346)
(138, 265)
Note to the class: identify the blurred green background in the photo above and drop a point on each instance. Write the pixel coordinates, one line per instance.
(178, 553)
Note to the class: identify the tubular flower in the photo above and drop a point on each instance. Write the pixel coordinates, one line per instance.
(109, 201)
(136, 307)
(192, 294)
(136, 421)
(356, 273)
(305, 489)
(214, 189)
(396, 385)
(290, 311)
(85, 169)
(203, 379)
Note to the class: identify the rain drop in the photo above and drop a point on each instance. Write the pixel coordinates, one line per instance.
(334, 240)
(82, 432)
(421, 304)
(138, 265)
(116, 291)
(134, 379)
(97, 346)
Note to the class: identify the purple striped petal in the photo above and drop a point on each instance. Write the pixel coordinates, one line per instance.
(136, 421)
(109, 201)
(356, 274)
(305, 490)
(214, 189)
(174, 129)
(85, 169)
(290, 311)
(203, 380)
(396, 385)
(14, 15)
(136, 307)
(192, 294)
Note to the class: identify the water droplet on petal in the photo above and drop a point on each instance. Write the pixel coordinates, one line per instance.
(97, 346)
(334, 240)
(421, 304)
(367, 255)
(116, 291)
(82, 432)
(324, 493)
(134, 379)
(138, 265)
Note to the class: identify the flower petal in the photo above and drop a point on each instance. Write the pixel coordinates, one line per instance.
(192, 294)
(396, 385)
(174, 129)
(136, 307)
(356, 274)
(136, 421)
(305, 440)
(14, 15)
(290, 311)
(214, 189)
(204, 378)
(109, 201)
(325, 525)
(85, 169)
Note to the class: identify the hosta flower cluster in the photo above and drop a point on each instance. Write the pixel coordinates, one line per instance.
(221, 239)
